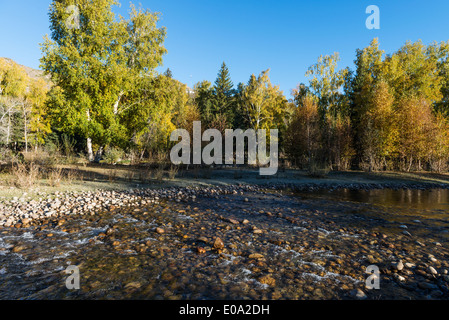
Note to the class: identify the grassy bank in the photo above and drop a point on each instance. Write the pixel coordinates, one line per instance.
(70, 178)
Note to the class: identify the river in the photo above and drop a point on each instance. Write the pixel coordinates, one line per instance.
(276, 245)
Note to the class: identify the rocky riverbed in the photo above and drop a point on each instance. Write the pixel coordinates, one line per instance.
(227, 242)
(25, 211)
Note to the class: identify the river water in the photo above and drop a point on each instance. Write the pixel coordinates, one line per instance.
(433, 199)
(277, 245)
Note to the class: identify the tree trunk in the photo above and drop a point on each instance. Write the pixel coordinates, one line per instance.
(26, 130)
(90, 153)
(410, 164)
(117, 103)
(9, 128)
(98, 155)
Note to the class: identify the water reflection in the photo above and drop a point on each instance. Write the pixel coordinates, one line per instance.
(434, 199)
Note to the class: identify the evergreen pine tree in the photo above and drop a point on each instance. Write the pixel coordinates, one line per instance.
(223, 94)
(168, 73)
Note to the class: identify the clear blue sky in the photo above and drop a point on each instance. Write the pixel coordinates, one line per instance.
(250, 36)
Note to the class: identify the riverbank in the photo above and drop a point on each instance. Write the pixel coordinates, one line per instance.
(90, 197)
(22, 208)
(107, 177)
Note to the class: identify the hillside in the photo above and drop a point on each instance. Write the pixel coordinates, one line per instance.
(32, 73)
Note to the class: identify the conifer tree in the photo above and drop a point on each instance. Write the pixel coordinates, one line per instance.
(223, 94)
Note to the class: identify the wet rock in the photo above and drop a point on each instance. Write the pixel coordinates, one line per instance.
(200, 250)
(432, 270)
(398, 266)
(268, 280)
(399, 277)
(18, 248)
(160, 230)
(218, 244)
(203, 239)
(358, 294)
(256, 256)
(133, 285)
(233, 221)
(407, 233)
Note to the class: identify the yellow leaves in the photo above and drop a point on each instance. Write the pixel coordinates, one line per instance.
(415, 120)
(26, 95)
(412, 70)
(13, 79)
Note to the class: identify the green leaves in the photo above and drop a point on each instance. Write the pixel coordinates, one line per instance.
(99, 66)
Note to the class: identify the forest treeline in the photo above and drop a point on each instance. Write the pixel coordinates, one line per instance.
(104, 97)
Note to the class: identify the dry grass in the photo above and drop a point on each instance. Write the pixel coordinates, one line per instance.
(158, 173)
(73, 175)
(55, 177)
(112, 175)
(172, 172)
(25, 175)
(145, 176)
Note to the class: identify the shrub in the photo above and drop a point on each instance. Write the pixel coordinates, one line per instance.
(172, 172)
(318, 171)
(25, 175)
(55, 177)
(113, 155)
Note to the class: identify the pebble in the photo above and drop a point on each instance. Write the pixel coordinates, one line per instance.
(432, 270)
(256, 256)
(233, 221)
(201, 250)
(399, 277)
(268, 280)
(397, 265)
(17, 249)
(218, 244)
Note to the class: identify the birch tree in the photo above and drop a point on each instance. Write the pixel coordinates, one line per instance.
(96, 66)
